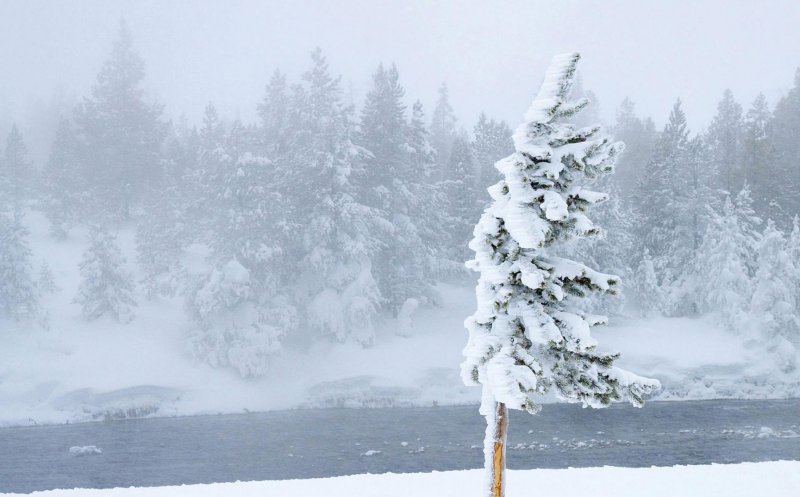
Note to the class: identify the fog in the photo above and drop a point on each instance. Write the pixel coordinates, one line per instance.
(490, 53)
(255, 218)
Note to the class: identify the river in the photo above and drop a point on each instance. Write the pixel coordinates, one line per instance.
(329, 442)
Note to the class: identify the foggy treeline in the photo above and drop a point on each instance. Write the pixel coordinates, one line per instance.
(318, 217)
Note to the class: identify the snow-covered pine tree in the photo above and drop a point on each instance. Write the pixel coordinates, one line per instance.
(429, 197)
(105, 287)
(338, 232)
(19, 298)
(213, 159)
(794, 254)
(527, 338)
(423, 156)
(462, 197)
(639, 136)
(160, 239)
(46, 282)
(390, 184)
(662, 201)
(63, 186)
(648, 292)
(241, 308)
(722, 281)
(492, 139)
(274, 116)
(724, 138)
(18, 170)
(750, 226)
(614, 249)
(697, 196)
(756, 154)
(177, 216)
(443, 129)
(121, 133)
(782, 131)
(774, 304)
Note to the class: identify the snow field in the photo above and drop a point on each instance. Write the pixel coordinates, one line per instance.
(772, 479)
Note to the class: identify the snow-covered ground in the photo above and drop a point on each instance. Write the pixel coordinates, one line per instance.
(775, 479)
(79, 371)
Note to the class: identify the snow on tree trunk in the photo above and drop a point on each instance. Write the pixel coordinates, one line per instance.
(494, 448)
(528, 335)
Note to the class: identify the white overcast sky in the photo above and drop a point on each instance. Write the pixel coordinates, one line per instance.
(491, 53)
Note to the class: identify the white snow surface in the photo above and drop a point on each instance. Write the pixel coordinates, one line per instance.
(83, 371)
(775, 479)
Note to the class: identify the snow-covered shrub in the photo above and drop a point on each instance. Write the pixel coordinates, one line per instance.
(234, 328)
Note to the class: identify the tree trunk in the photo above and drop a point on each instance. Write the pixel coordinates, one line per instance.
(498, 467)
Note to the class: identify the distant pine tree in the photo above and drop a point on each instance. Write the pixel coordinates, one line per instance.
(46, 282)
(782, 131)
(105, 287)
(723, 280)
(663, 196)
(756, 157)
(63, 196)
(392, 183)
(19, 298)
(337, 234)
(461, 193)
(275, 123)
(443, 129)
(639, 136)
(121, 134)
(492, 140)
(774, 301)
(18, 170)
(724, 138)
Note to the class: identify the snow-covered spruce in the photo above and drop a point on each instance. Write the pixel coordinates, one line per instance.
(19, 298)
(528, 337)
(723, 284)
(774, 301)
(335, 275)
(105, 288)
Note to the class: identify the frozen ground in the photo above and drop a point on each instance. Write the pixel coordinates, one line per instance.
(776, 479)
(78, 371)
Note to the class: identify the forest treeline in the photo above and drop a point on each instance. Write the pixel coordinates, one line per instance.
(319, 216)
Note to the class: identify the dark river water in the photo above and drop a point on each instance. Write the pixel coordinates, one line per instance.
(329, 442)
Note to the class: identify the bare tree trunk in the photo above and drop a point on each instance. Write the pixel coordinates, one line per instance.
(498, 467)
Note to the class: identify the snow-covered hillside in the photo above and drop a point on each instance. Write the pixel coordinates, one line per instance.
(69, 370)
(776, 479)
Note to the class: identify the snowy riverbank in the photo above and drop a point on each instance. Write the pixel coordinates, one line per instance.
(78, 371)
(776, 479)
